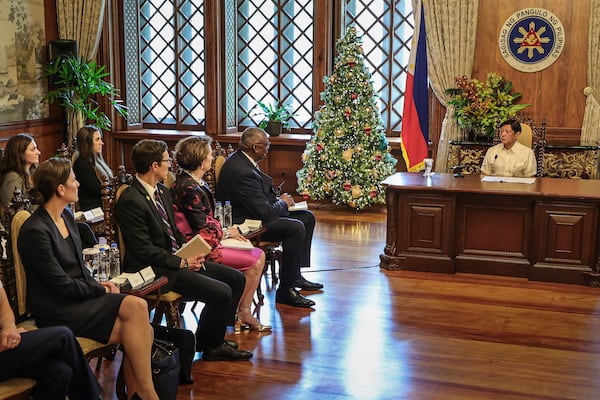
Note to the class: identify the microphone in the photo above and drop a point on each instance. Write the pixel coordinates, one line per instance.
(280, 186)
(492, 164)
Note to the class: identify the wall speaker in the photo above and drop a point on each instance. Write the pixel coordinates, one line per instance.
(62, 47)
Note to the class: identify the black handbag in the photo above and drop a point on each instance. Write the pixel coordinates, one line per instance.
(185, 341)
(165, 369)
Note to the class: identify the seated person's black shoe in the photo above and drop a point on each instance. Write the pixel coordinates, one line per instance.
(231, 343)
(292, 297)
(225, 353)
(304, 284)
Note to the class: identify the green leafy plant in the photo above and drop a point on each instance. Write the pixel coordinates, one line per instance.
(483, 105)
(274, 113)
(77, 84)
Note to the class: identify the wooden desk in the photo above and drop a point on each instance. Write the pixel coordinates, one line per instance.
(544, 231)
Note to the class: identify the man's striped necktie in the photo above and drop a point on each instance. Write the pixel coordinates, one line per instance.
(165, 219)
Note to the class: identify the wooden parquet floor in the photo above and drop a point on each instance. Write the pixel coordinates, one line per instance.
(378, 334)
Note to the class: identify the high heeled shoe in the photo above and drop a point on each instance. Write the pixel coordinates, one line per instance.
(239, 326)
(260, 328)
(254, 326)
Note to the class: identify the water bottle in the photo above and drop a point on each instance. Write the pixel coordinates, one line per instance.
(115, 261)
(227, 217)
(90, 260)
(103, 265)
(219, 212)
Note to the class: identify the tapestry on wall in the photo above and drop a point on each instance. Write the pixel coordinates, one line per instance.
(22, 53)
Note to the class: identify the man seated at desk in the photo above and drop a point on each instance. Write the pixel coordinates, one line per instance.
(509, 158)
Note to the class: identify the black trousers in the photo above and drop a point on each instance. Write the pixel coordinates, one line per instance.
(219, 288)
(295, 233)
(52, 356)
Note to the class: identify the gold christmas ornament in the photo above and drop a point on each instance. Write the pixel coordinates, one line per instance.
(352, 204)
(305, 156)
(347, 154)
(337, 132)
(356, 191)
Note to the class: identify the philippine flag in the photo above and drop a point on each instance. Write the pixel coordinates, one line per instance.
(415, 123)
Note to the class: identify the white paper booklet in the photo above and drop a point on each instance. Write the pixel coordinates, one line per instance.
(249, 225)
(195, 247)
(232, 243)
(508, 179)
(303, 205)
(90, 216)
(134, 280)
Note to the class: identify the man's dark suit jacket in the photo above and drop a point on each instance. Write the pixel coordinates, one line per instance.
(250, 191)
(145, 236)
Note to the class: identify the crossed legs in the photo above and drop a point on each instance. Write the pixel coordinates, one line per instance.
(132, 329)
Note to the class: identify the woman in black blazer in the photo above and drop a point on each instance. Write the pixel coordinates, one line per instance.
(61, 291)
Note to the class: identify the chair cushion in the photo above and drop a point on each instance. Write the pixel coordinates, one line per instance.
(15, 386)
(167, 297)
(89, 345)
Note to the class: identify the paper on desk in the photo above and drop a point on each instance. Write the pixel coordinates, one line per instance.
(507, 179)
(303, 205)
(232, 243)
(195, 247)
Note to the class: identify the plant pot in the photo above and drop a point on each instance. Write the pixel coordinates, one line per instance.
(591, 278)
(273, 128)
(479, 134)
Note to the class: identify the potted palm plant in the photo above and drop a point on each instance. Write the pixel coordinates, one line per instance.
(77, 84)
(275, 117)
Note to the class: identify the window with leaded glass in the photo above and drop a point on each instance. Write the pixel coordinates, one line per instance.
(172, 63)
(275, 58)
(387, 29)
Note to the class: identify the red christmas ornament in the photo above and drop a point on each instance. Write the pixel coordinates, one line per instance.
(352, 64)
(347, 112)
(373, 193)
(378, 157)
(353, 96)
(347, 186)
(305, 196)
(319, 147)
(367, 130)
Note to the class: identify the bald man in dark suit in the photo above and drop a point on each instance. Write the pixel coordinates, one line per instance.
(253, 196)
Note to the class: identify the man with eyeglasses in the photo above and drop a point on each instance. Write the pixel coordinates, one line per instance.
(145, 217)
(253, 196)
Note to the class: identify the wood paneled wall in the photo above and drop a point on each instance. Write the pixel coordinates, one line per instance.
(555, 93)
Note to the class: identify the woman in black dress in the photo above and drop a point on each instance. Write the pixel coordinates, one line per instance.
(89, 167)
(61, 291)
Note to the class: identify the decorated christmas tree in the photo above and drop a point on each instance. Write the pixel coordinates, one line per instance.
(348, 155)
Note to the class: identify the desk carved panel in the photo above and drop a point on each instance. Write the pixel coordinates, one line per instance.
(566, 234)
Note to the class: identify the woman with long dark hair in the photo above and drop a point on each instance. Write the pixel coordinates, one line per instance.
(21, 157)
(89, 167)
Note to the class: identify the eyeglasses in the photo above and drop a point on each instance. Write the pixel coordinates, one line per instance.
(169, 160)
(267, 145)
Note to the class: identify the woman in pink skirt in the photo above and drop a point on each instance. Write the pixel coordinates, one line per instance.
(194, 205)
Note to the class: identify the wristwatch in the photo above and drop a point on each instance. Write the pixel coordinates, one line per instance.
(186, 265)
(225, 232)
